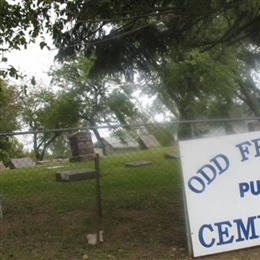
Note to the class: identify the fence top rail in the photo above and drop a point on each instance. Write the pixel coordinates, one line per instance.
(111, 126)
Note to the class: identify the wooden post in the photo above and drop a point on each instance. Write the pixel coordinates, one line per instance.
(98, 198)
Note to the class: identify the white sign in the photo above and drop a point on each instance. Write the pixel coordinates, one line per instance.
(222, 189)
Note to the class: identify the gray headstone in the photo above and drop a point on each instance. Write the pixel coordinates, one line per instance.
(21, 163)
(139, 163)
(2, 166)
(81, 145)
(75, 175)
(148, 141)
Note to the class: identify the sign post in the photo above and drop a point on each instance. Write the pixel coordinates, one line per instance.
(221, 178)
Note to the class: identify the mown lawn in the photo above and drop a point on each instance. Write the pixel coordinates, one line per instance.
(44, 219)
(142, 207)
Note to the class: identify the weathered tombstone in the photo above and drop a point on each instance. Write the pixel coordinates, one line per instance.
(116, 145)
(21, 163)
(139, 163)
(81, 145)
(2, 166)
(148, 141)
(75, 175)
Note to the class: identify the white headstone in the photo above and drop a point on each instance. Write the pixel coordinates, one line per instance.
(22, 163)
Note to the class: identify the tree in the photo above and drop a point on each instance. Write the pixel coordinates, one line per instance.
(200, 82)
(96, 104)
(43, 110)
(208, 84)
(123, 39)
(60, 147)
(9, 108)
(194, 84)
(9, 146)
(130, 34)
(248, 90)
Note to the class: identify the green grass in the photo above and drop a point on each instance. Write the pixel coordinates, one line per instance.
(143, 216)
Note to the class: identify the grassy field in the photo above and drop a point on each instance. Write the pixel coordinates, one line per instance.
(142, 207)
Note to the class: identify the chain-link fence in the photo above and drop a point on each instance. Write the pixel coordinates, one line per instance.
(48, 190)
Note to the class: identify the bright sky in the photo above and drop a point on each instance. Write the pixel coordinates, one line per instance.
(33, 61)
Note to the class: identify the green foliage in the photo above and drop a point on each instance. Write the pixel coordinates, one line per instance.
(126, 34)
(59, 111)
(8, 107)
(141, 32)
(200, 84)
(60, 148)
(9, 146)
(71, 73)
(95, 102)
(20, 23)
(163, 133)
(43, 109)
(121, 106)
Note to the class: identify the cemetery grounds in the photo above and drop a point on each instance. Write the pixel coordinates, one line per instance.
(142, 209)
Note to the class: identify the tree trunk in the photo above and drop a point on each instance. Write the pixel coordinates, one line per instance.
(46, 145)
(185, 130)
(35, 147)
(250, 99)
(40, 149)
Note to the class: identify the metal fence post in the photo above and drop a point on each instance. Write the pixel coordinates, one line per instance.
(98, 198)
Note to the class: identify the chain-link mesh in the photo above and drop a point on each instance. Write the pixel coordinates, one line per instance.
(43, 218)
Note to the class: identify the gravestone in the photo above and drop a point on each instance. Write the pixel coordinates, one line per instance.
(116, 145)
(139, 163)
(18, 163)
(148, 141)
(2, 166)
(81, 145)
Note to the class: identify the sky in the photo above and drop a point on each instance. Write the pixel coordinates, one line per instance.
(33, 61)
